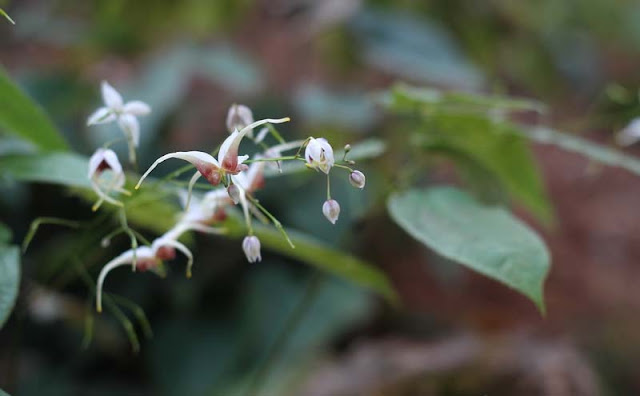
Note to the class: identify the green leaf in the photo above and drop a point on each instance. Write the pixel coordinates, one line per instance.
(431, 100)
(21, 116)
(593, 151)
(496, 147)
(5, 234)
(486, 239)
(9, 280)
(316, 253)
(57, 168)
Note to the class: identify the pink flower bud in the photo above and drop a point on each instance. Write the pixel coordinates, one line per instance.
(357, 179)
(251, 247)
(234, 193)
(331, 210)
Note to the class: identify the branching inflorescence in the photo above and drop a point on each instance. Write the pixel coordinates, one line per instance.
(233, 178)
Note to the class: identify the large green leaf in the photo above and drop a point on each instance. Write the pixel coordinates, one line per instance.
(9, 279)
(461, 127)
(486, 239)
(57, 168)
(496, 147)
(21, 116)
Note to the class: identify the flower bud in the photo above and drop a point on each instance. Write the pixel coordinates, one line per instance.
(251, 247)
(234, 193)
(319, 154)
(331, 210)
(238, 117)
(357, 179)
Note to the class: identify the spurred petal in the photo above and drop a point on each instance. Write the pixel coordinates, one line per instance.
(137, 108)
(141, 253)
(228, 154)
(160, 242)
(130, 126)
(111, 97)
(101, 116)
(204, 162)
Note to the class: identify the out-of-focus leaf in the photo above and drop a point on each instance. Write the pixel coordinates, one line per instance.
(9, 280)
(316, 253)
(21, 116)
(58, 168)
(369, 148)
(5, 234)
(582, 146)
(414, 48)
(495, 146)
(464, 127)
(318, 106)
(431, 100)
(488, 240)
(3, 393)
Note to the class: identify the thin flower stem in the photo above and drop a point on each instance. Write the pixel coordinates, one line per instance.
(328, 187)
(286, 158)
(262, 373)
(33, 228)
(343, 167)
(276, 134)
(137, 311)
(304, 143)
(117, 312)
(271, 217)
(134, 241)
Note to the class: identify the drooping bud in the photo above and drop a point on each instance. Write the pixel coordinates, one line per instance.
(238, 117)
(251, 247)
(357, 179)
(331, 210)
(234, 193)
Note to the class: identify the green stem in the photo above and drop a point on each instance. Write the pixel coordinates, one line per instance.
(273, 219)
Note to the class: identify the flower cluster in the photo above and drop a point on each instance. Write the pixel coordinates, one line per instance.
(234, 179)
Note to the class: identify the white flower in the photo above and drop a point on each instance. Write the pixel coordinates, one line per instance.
(212, 169)
(319, 154)
(331, 210)
(357, 179)
(238, 117)
(251, 247)
(630, 134)
(100, 161)
(125, 114)
(144, 258)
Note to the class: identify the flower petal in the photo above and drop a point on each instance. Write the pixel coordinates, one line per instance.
(196, 158)
(111, 97)
(130, 126)
(137, 108)
(101, 116)
(142, 252)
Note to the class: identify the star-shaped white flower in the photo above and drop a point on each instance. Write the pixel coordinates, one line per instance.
(124, 114)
